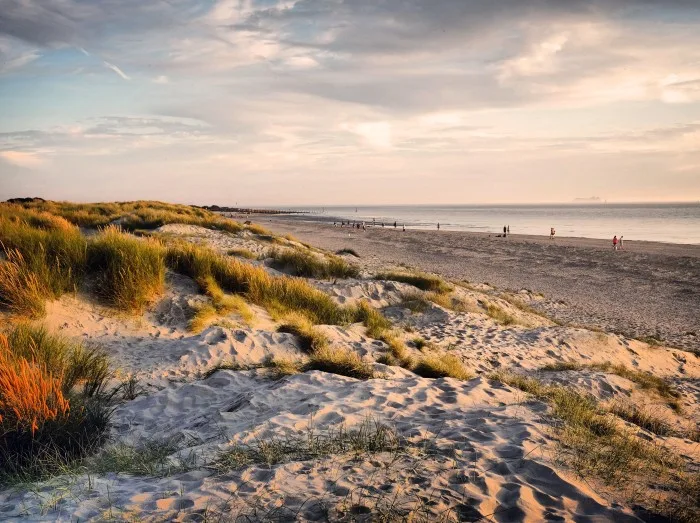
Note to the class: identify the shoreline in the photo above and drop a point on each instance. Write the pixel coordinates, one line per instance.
(328, 220)
(649, 289)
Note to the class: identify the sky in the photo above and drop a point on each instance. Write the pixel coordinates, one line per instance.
(266, 102)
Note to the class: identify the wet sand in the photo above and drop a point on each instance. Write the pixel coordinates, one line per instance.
(647, 289)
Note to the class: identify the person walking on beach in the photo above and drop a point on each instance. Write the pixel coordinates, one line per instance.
(394, 225)
(551, 233)
(622, 243)
(438, 226)
(404, 227)
(504, 230)
(509, 229)
(615, 243)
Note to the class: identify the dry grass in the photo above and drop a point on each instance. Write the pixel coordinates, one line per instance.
(341, 361)
(280, 295)
(258, 229)
(350, 252)
(130, 272)
(21, 290)
(593, 445)
(309, 265)
(282, 367)
(425, 282)
(242, 253)
(442, 366)
(54, 406)
(499, 315)
(310, 338)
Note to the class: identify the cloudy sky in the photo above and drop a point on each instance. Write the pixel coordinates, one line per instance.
(350, 101)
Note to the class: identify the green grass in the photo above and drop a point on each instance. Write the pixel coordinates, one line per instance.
(130, 272)
(152, 458)
(425, 282)
(367, 438)
(310, 265)
(441, 366)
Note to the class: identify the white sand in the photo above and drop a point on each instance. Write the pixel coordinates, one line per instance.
(472, 449)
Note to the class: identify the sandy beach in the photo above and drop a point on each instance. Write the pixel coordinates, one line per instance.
(468, 405)
(649, 289)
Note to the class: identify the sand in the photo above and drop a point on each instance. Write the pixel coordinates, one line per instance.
(650, 289)
(474, 450)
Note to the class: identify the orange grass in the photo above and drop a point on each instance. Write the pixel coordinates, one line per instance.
(29, 394)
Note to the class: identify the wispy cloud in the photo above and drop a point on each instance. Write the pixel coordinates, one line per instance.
(116, 70)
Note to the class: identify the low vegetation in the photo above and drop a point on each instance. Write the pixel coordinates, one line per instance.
(425, 282)
(369, 437)
(350, 252)
(339, 360)
(242, 253)
(221, 304)
(593, 444)
(310, 265)
(54, 403)
(499, 314)
(310, 337)
(441, 366)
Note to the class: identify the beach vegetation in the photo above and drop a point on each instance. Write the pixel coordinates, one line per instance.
(441, 366)
(593, 445)
(348, 251)
(340, 360)
(258, 229)
(55, 404)
(309, 265)
(499, 314)
(242, 253)
(369, 437)
(310, 337)
(149, 457)
(423, 281)
(281, 366)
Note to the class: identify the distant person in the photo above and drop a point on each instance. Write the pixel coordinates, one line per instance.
(363, 226)
(509, 229)
(504, 230)
(438, 226)
(382, 225)
(622, 242)
(404, 227)
(394, 225)
(552, 232)
(615, 243)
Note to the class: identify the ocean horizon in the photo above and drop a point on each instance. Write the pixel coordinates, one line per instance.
(663, 222)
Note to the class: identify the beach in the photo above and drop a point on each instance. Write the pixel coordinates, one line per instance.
(649, 289)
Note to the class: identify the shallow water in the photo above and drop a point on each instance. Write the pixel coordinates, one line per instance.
(665, 222)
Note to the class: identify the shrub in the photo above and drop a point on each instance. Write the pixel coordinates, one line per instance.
(442, 366)
(130, 272)
(339, 361)
(425, 282)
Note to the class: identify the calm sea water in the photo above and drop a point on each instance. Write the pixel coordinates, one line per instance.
(668, 222)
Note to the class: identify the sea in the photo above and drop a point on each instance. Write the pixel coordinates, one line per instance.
(663, 222)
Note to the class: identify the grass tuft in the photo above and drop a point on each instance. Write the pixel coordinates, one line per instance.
(425, 282)
(242, 253)
(499, 315)
(309, 265)
(351, 252)
(341, 361)
(130, 272)
(442, 366)
(310, 338)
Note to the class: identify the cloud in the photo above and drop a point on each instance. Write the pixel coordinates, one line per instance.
(116, 70)
(22, 159)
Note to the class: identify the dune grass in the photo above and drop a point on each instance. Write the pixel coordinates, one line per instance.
(425, 282)
(350, 252)
(339, 360)
(441, 366)
(280, 295)
(368, 437)
(310, 338)
(242, 253)
(132, 215)
(645, 380)
(500, 315)
(282, 367)
(593, 445)
(129, 272)
(309, 265)
(54, 402)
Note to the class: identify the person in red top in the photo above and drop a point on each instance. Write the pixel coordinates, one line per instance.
(615, 242)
